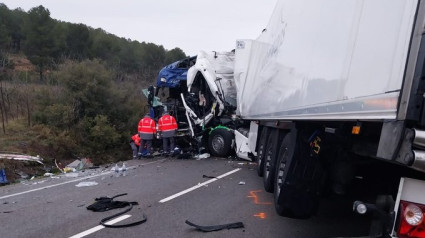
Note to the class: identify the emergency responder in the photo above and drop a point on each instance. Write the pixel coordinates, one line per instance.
(135, 143)
(167, 126)
(146, 129)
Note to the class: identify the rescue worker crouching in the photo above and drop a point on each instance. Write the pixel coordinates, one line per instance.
(167, 126)
(135, 145)
(146, 129)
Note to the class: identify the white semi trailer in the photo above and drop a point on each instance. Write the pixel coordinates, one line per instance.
(334, 92)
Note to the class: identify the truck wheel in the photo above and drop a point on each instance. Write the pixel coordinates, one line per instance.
(286, 151)
(299, 178)
(261, 150)
(270, 154)
(220, 142)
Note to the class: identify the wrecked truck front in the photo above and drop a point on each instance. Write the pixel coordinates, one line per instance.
(211, 86)
(211, 103)
(206, 93)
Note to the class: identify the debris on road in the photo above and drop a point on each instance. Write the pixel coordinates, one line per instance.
(216, 227)
(102, 204)
(57, 166)
(202, 156)
(74, 164)
(16, 156)
(86, 184)
(78, 165)
(206, 176)
(241, 183)
(3, 179)
(20, 170)
(69, 170)
(120, 170)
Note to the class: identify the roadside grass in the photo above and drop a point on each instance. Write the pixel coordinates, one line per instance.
(16, 136)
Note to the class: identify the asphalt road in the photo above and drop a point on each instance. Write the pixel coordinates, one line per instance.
(56, 207)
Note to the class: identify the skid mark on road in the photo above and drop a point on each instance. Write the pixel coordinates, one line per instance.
(72, 181)
(197, 186)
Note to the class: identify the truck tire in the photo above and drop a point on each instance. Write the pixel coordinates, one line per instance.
(261, 149)
(270, 154)
(220, 142)
(299, 178)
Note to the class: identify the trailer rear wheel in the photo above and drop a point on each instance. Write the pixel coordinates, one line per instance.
(299, 178)
(271, 151)
(220, 142)
(261, 150)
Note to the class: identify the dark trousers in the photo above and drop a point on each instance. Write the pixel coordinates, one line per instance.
(135, 149)
(168, 144)
(148, 144)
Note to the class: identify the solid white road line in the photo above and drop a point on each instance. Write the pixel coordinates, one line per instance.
(198, 186)
(71, 181)
(100, 227)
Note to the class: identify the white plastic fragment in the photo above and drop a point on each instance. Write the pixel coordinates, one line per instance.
(15, 156)
(86, 184)
(201, 156)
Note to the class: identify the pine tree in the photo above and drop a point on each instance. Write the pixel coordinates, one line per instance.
(40, 44)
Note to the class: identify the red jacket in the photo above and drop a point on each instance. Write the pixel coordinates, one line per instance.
(147, 126)
(167, 123)
(136, 139)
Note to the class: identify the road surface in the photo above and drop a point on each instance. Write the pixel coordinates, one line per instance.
(169, 192)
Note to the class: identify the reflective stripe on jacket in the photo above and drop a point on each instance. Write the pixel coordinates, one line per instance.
(146, 125)
(167, 123)
(136, 139)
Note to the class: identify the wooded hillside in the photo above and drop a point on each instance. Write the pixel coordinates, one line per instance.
(68, 90)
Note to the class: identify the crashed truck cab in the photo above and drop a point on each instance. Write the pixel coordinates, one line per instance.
(211, 102)
(201, 92)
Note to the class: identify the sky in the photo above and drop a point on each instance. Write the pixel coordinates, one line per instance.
(191, 25)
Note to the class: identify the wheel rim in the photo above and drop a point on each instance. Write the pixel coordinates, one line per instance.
(268, 163)
(218, 143)
(280, 172)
